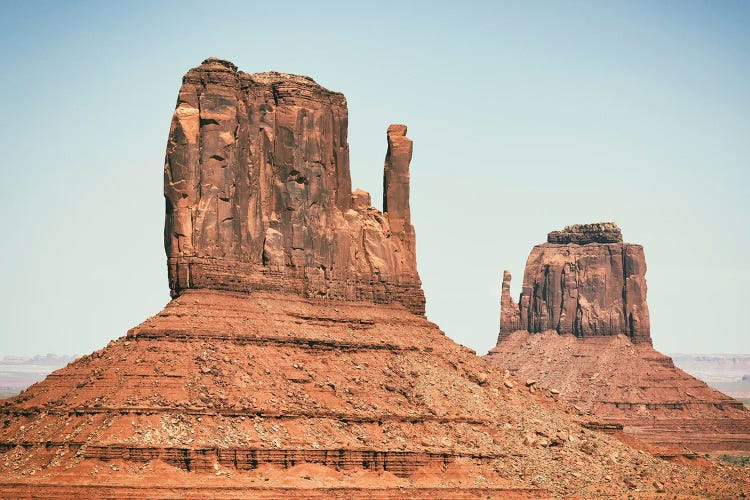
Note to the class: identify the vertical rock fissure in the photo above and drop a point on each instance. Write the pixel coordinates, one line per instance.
(269, 194)
(625, 312)
(583, 266)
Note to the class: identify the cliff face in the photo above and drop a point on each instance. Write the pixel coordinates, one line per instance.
(584, 281)
(259, 197)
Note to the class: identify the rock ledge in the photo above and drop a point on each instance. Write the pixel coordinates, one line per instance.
(583, 234)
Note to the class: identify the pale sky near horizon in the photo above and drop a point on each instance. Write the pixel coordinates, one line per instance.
(525, 116)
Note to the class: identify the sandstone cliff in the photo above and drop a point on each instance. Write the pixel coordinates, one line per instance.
(584, 281)
(258, 194)
(587, 283)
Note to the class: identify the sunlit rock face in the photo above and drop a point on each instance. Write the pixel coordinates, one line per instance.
(581, 329)
(584, 281)
(258, 194)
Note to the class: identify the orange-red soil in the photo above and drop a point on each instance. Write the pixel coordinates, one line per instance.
(228, 395)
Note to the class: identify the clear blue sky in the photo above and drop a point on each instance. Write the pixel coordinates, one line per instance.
(526, 117)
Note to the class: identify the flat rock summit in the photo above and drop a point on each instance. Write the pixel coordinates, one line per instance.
(295, 360)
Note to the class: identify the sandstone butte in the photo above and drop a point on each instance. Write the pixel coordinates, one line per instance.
(294, 359)
(581, 328)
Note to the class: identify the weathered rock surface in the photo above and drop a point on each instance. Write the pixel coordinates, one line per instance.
(259, 196)
(587, 283)
(582, 234)
(225, 393)
(584, 281)
(327, 385)
(510, 314)
(631, 384)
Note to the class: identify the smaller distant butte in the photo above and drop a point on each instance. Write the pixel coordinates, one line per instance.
(584, 281)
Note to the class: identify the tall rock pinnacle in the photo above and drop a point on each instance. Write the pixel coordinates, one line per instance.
(584, 281)
(510, 319)
(396, 179)
(259, 197)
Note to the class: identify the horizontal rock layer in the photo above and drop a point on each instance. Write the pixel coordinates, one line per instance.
(583, 234)
(229, 383)
(153, 488)
(258, 193)
(631, 384)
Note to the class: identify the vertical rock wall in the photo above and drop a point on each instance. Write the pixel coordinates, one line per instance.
(584, 281)
(258, 193)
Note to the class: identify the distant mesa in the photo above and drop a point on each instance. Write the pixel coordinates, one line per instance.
(584, 281)
(581, 328)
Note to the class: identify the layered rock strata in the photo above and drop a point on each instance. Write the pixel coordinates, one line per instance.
(258, 193)
(630, 384)
(582, 331)
(584, 281)
(333, 386)
(583, 234)
(275, 395)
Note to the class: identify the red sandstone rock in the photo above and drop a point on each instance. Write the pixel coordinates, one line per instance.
(322, 385)
(259, 194)
(510, 320)
(396, 180)
(584, 281)
(587, 283)
(583, 234)
(630, 384)
(296, 397)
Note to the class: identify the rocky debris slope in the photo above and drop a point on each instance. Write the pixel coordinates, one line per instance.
(630, 384)
(607, 366)
(271, 391)
(583, 281)
(258, 193)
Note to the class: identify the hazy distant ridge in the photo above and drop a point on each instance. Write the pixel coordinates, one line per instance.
(19, 372)
(729, 373)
